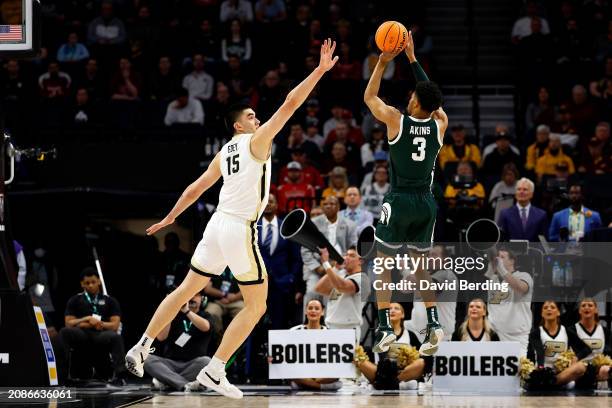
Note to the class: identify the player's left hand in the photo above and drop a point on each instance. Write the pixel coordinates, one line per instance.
(328, 60)
(156, 227)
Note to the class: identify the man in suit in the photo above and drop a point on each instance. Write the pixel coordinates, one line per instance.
(340, 232)
(523, 220)
(283, 263)
(577, 220)
(354, 211)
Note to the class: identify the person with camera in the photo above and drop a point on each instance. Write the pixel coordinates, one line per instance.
(464, 189)
(574, 222)
(185, 349)
(227, 300)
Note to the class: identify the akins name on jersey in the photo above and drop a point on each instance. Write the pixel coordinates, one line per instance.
(419, 130)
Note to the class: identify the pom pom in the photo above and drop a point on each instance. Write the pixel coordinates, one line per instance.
(361, 355)
(386, 375)
(601, 360)
(564, 360)
(542, 378)
(406, 355)
(526, 366)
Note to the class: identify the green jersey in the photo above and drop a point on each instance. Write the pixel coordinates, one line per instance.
(412, 155)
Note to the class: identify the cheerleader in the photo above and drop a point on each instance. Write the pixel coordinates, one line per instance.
(592, 334)
(551, 339)
(314, 321)
(476, 326)
(378, 375)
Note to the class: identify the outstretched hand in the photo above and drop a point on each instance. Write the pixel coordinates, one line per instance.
(328, 60)
(156, 227)
(385, 57)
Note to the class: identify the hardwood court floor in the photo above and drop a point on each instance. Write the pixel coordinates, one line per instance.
(370, 401)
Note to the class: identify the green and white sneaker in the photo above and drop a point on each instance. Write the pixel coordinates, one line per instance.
(384, 337)
(433, 337)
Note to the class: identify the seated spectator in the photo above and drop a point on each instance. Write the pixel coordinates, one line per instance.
(164, 81)
(339, 158)
(83, 112)
(582, 111)
(73, 50)
(313, 321)
(199, 83)
(459, 150)
(310, 175)
(476, 326)
(92, 321)
(338, 114)
(225, 300)
(313, 117)
(338, 183)
(468, 186)
(205, 41)
(502, 194)
(380, 159)
(184, 110)
(344, 289)
(340, 232)
(376, 144)
(13, 83)
(523, 220)
(350, 137)
(236, 43)
(355, 211)
(347, 68)
(563, 121)
(546, 164)
(126, 84)
(236, 9)
(596, 156)
(54, 83)
(375, 191)
(577, 220)
(297, 140)
(270, 11)
(217, 108)
(313, 135)
(294, 192)
(91, 79)
(538, 148)
(106, 30)
(522, 26)
(602, 87)
(269, 95)
(186, 339)
(407, 376)
(502, 153)
(500, 129)
(371, 60)
(541, 112)
(238, 81)
(284, 265)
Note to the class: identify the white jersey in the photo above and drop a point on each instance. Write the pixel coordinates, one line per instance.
(343, 308)
(246, 180)
(596, 340)
(553, 346)
(510, 312)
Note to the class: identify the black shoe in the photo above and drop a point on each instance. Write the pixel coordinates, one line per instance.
(384, 337)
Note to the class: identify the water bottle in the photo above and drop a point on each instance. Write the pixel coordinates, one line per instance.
(569, 275)
(557, 275)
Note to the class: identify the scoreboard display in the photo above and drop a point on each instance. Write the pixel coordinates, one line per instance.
(19, 29)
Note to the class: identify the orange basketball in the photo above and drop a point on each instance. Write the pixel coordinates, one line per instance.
(391, 37)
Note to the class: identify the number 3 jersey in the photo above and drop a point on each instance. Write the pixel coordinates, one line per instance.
(246, 180)
(413, 153)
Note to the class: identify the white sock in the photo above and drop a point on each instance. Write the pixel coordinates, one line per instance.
(146, 341)
(217, 365)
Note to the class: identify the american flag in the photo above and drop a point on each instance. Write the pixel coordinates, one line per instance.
(11, 33)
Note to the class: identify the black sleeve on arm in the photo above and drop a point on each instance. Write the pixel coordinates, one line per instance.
(417, 70)
(581, 349)
(535, 350)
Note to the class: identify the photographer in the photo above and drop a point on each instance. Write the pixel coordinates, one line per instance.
(464, 189)
(186, 339)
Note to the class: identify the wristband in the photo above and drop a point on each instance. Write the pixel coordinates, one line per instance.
(326, 265)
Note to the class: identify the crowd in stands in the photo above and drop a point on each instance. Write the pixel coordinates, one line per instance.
(174, 63)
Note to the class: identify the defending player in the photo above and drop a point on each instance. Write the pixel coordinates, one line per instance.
(230, 238)
(409, 209)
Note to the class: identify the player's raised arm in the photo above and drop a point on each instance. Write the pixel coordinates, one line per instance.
(191, 193)
(381, 111)
(262, 139)
(417, 70)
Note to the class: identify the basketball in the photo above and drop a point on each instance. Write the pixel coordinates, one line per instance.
(391, 37)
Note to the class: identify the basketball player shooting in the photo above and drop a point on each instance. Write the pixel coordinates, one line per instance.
(230, 238)
(409, 209)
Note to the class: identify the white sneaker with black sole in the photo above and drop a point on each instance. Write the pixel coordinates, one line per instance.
(218, 382)
(135, 358)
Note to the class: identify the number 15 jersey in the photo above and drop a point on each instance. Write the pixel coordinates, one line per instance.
(246, 180)
(413, 153)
